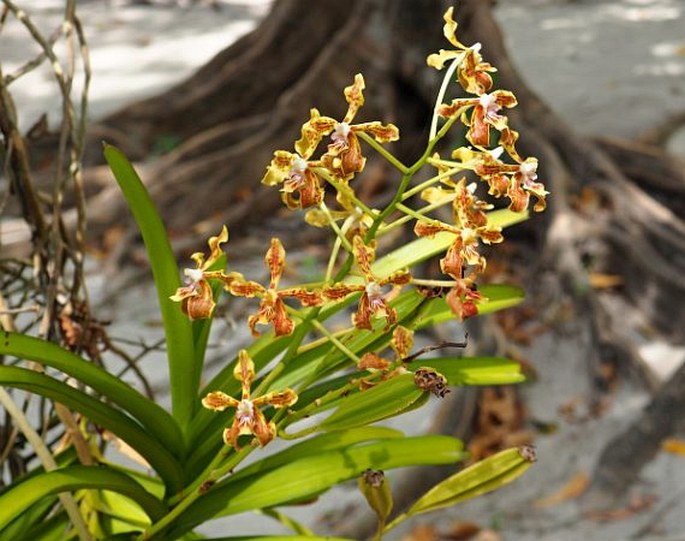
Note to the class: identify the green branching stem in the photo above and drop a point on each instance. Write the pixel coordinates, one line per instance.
(288, 522)
(334, 226)
(419, 214)
(382, 151)
(428, 183)
(337, 343)
(432, 283)
(441, 95)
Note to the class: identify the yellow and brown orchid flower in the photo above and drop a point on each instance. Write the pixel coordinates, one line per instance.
(249, 418)
(372, 302)
(272, 308)
(484, 115)
(301, 184)
(517, 181)
(470, 227)
(473, 74)
(344, 157)
(196, 298)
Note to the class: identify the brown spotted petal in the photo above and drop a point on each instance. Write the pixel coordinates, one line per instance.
(240, 287)
(244, 371)
(219, 401)
(361, 319)
(453, 262)
(215, 251)
(305, 194)
(462, 300)
(354, 94)
(490, 235)
(371, 361)
(315, 129)
(279, 169)
(456, 107)
(371, 303)
(398, 278)
(339, 291)
(271, 311)
(275, 261)
(264, 431)
(438, 60)
(305, 296)
(344, 157)
(474, 74)
(383, 133)
(402, 341)
(507, 141)
(425, 228)
(364, 256)
(199, 305)
(278, 400)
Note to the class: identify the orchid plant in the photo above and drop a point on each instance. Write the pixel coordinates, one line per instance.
(319, 388)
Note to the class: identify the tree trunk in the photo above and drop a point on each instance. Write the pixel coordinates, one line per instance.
(253, 97)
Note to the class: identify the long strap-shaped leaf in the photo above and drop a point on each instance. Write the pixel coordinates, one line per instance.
(312, 475)
(278, 538)
(154, 418)
(21, 496)
(101, 414)
(184, 372)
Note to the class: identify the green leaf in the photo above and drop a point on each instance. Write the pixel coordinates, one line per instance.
(482, 477)
(313, 446)
(49, 529)
(101, 414)
(184, 370)
(279, 538)
(21, 496)
(154, 418)
(387, 399)
(29, 517)
(311, 475)
(123, 509)
(474, 370)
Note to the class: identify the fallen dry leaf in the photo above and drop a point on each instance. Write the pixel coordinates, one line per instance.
(499, 423)
(571, 490)
(599, 280)
(422, 532)
(636, 505)
(674, 446)
(462, 531)
(488, 535)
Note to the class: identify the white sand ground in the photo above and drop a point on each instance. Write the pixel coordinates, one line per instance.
(614, 67)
